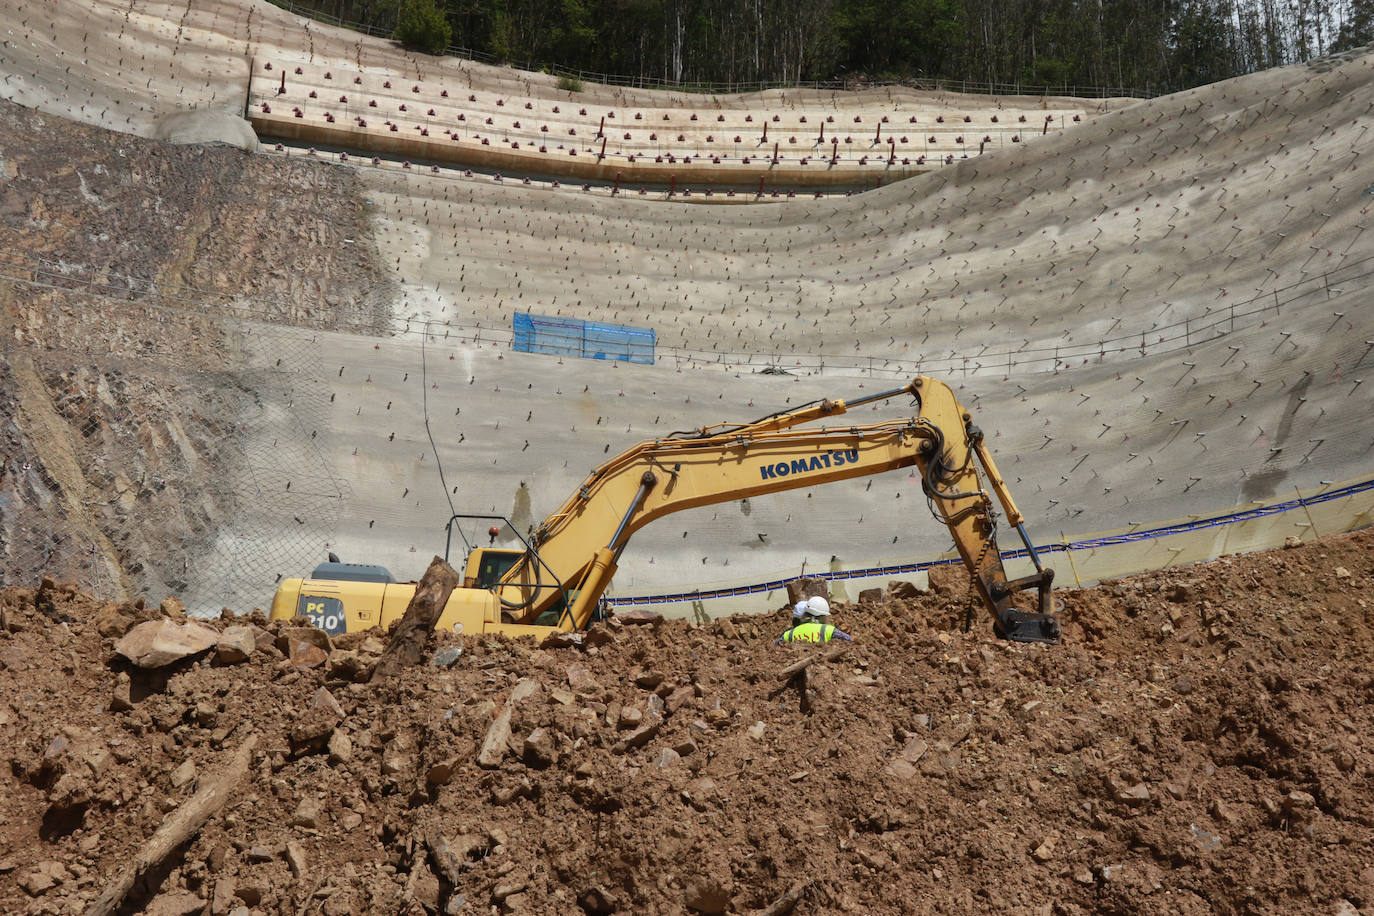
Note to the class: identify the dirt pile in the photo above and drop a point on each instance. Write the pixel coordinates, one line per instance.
(1199, 743)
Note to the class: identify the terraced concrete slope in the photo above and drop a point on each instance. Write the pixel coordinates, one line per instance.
(1154, 314)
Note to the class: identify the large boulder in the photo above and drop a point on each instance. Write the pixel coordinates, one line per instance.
(807, 587)
(157, 643)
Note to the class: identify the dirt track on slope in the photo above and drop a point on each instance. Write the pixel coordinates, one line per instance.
(1198, 744)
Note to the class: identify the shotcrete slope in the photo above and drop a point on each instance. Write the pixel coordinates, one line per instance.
(1152, 313)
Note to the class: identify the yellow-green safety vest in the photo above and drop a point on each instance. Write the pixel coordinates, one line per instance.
(811, 631)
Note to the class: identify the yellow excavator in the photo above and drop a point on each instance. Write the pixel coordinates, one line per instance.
(557, 581)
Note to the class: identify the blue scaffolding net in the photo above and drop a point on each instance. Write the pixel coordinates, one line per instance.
(583, 339)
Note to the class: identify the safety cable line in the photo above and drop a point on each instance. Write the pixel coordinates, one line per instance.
(1217, 521)
(438, 459)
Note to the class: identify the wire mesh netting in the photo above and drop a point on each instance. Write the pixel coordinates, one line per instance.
(137, 462)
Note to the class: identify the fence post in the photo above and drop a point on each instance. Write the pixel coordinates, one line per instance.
(1311, 524)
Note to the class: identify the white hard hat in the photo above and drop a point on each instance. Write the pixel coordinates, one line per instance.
(799, 610)
(818, 606)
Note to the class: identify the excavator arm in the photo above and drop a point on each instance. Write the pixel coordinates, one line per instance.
(574, 553)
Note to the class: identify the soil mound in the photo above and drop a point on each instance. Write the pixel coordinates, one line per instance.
(1198, 744)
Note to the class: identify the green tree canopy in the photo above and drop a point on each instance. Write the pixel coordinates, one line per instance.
(422, 24)
(1148, 45)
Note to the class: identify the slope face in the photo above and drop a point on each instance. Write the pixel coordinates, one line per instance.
(1151, 313)
(127, 267)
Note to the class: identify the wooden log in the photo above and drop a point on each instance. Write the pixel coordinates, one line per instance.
(407, 646)
(787, 902)
(179, 828)
(808, 697)
(799, 665)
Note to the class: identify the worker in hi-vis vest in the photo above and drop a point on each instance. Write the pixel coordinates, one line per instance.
(808, 624)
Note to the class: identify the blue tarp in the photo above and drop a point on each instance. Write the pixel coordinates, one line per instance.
(583, 339)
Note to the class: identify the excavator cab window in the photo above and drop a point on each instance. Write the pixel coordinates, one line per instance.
(553, 616)
(495, 564)
(550, 617)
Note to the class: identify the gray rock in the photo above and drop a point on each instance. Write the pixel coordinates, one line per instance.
(176, 903)
(446, 657)
(324, 700)
(599, 636)
(640, 617)
(1134, 796)
(639, 737)
(340, 747)
(183, 774)
(901, 589)
(1298, 801)
(223, 897)
(440, 774)
(561, 639)
(494, 745)
(308, 814)
(507, 888)
(310, 732)
(540, 749)
(686, 747)
(526, 689)
(295, 858)
(581, 680)
(121, 698)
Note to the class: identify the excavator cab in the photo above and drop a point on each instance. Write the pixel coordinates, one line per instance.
(486, 566)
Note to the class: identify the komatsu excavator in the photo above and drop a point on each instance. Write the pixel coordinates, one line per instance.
(557, 581)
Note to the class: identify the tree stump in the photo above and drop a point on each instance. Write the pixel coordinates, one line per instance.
(407, 646)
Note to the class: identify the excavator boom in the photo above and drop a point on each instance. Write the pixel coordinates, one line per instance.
(779, 453)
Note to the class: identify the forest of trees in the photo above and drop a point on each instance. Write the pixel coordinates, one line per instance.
(1150, 46)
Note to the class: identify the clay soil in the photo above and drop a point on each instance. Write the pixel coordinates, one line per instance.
(1198, 743)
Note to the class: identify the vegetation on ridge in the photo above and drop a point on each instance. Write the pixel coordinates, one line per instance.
(1150, 46)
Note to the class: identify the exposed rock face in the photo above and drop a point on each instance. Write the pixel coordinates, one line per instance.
(126, 394)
